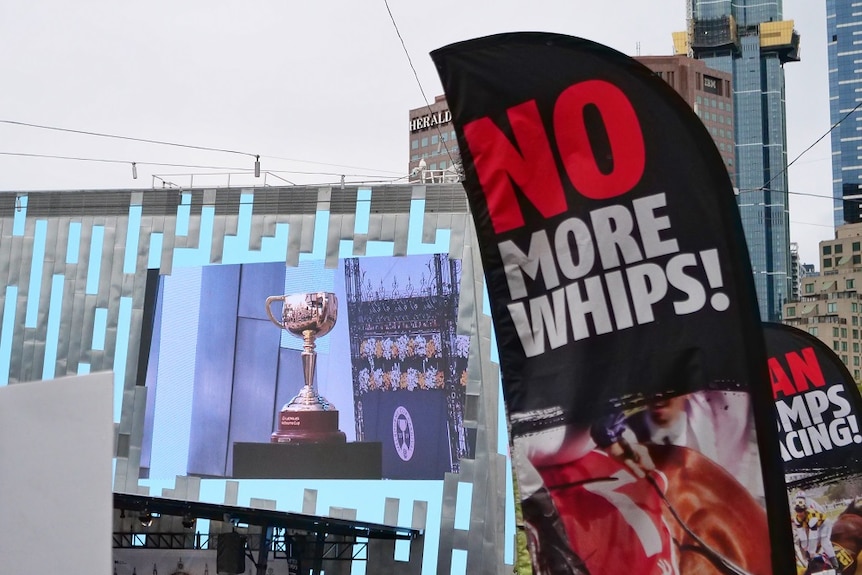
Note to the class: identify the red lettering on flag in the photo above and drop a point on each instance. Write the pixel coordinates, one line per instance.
(780, 382)
(624, 134)
(804, 369)
(530, 166)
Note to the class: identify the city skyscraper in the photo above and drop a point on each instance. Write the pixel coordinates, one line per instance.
(843, 24)
(829, 304)
(749, 40)
(433, 148)
(707, 91)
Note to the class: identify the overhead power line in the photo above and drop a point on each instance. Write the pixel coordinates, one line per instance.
(129, 138)
(112, 161)
(167, 143)
(817, 141)
(328, 164)
(234, 169)
(807, 194)
(133, 139)
(831, 226)
(416, 75)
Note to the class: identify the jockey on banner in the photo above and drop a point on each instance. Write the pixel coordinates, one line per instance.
(587, 505)
(813, 529)
(594, 490)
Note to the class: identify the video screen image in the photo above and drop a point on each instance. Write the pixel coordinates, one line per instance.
(219, 371)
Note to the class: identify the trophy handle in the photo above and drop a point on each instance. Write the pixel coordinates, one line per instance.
(269, 301)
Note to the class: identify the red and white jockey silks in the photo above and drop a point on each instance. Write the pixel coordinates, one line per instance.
(613, 519)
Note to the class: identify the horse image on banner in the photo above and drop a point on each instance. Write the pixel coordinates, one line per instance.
(817, 408)
(624, 310)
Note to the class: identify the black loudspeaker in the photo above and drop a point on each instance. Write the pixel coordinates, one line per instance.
(230, 557)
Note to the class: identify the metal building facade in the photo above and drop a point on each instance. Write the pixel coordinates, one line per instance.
(74, 265)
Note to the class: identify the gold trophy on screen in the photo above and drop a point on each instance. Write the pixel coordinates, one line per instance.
(308, 417)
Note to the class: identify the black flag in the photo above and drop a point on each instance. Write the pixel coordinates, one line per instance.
(817, 405)
(624, 310)
(817, 409)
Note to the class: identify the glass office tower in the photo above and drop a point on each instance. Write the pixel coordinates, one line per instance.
(843, 26)
(748, 39)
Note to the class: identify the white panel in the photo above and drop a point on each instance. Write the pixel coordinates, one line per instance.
(56, 502)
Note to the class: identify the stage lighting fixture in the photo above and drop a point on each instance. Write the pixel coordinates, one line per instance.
(189, 521)
(146, 518)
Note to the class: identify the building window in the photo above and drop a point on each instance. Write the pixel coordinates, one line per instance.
(854, 320)
(839, 249)
(854, 307)
(855, 347)
(850, 283)
(434, 139)
(791, 311)
(809, 288)
(844, 347)
(832, 307)
(855, 246)
(855, 334)
(812, 331)
(827, 262)
(827, 250)
(844, 332)
(857, 260)
(836, 345)
(856, 361)
(834, 332)
(414, 145)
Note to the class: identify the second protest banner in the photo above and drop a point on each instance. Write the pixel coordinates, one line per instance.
(817, 408)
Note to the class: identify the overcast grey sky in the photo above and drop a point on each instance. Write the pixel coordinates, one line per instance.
(317, 89)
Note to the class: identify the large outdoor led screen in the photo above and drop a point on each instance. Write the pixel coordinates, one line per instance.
(220, 371)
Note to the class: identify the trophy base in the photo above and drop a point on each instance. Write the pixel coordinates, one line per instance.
(308, 427)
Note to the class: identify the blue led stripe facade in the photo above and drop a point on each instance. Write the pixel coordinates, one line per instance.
(727, 36)
(77, 265)
(843, 26)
